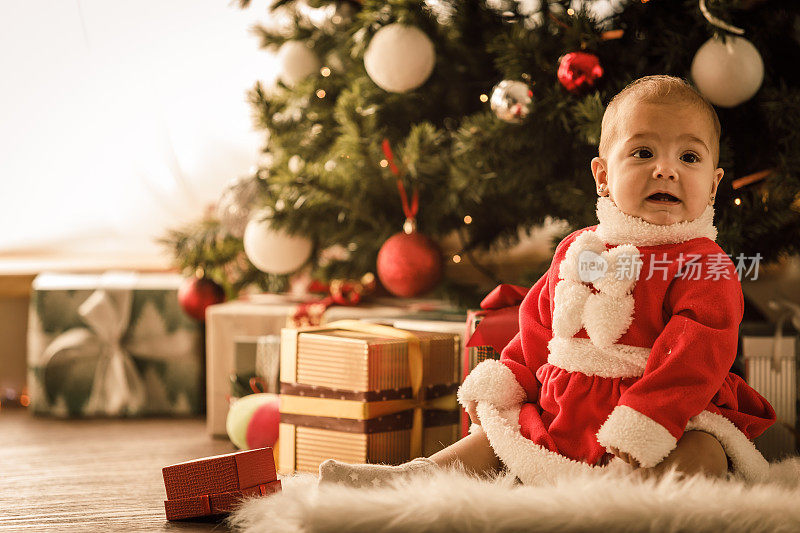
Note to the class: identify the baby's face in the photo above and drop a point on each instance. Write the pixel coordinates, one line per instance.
(660, 167)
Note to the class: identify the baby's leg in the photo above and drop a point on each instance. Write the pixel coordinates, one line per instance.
(697, 452)
(473, 451)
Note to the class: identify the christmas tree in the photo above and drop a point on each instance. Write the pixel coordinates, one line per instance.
(374, 93)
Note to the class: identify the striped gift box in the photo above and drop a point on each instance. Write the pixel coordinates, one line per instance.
(347, 395)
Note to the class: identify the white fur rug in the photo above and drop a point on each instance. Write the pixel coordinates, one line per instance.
(453, 501)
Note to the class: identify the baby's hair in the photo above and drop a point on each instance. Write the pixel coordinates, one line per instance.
(662, 89)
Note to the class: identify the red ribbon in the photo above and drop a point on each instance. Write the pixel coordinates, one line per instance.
(500, 317)
(340, 292)
(409, 210)
(387, 152)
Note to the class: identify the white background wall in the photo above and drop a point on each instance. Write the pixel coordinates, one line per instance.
(119, 119)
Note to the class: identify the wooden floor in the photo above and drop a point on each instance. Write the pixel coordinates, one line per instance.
(94, 475)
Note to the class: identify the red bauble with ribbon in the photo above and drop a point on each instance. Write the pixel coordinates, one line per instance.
(196, 294)
(409, 263)
(579, 70)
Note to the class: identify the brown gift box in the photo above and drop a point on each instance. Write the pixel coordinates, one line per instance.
(210, 485)
(348, 393)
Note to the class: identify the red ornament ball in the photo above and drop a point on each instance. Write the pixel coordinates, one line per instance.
(409, 264)
(195, 294)
(579, 70)
(262, 430)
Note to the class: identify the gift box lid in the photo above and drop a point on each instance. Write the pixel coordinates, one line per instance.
(54, 281)
(364, 361)
(219, 474)
(215, 504)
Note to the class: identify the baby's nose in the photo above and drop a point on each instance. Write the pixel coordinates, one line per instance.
(665, 172)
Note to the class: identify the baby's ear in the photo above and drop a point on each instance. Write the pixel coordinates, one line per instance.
(717, 178)
(600, 171)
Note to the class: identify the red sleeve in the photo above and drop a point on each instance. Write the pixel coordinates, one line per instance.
(512, 380)
(687, 365)
(692, 357)
(527, 351)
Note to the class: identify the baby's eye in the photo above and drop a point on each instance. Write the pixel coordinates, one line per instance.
(689, 157)
(642, 153)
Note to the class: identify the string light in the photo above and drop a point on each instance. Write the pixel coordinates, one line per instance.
(467, 219)
(484, 98)
(320, 93)
(384, 163)
(325, 71)
(570, 12)
(456, 259)
(738, 201)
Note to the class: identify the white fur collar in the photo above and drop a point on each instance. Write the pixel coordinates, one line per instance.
(617, 227)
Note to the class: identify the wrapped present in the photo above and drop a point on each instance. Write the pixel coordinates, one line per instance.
(231, 322)
(116, 344)
(771, 358)
(365, 393)
(215, 485)
(490, 329)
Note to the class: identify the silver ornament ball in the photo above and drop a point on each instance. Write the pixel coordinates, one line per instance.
(511, 101)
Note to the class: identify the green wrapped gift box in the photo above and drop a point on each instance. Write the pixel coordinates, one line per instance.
(116, 344)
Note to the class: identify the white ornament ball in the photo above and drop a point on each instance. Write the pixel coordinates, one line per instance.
(728, 73)
(297, 62)
(274, 251)
(399, 58)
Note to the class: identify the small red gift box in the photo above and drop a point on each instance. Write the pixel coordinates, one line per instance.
(214, 485)
(215, 504)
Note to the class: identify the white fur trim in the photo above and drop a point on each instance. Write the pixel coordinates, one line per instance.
(491, 381)
(624, 268)
(607, 315)
(747, 461)
(617, 227)
(570, 298)
(606, 318)
(586, 241)
(632, 432)
(531, 463)
(581, 355)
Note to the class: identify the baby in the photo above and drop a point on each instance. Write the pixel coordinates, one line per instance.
(625, 344)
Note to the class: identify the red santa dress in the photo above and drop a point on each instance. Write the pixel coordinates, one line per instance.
(625, 342)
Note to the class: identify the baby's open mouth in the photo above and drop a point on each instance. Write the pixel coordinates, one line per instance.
(663, 197)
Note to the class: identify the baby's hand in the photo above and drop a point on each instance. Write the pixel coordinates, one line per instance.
(625, 457)
(472, 411)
